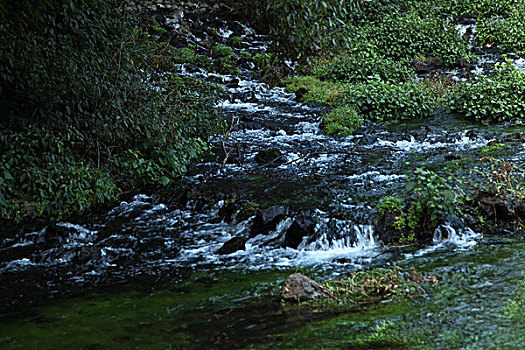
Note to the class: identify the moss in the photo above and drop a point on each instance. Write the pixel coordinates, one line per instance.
(321, 92)
(342, 121)
(492, 147)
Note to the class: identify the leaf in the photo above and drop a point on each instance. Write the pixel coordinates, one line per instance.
(165, 180)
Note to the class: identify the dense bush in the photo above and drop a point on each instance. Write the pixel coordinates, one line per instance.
(405, 36)
(499, 97)
(84, 106)
(474, 8)
(342, 121)
(379, 100)
(360, 65)
(506, 33)
(304, 27)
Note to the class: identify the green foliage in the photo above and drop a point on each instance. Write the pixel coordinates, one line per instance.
(506, 33)
(303, 27)
(226, 59)
(361, 65)
(342, 121)
(189, 55)
(405, 36)
(321, 92)
(493, 147)
(378, 285)
(481, 8)
(515, 307)
(434, 198)
(390, 204)
(383, 101)
(500, 97)
(86, 105)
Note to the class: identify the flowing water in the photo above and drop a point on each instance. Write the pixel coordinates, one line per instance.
(148, 273)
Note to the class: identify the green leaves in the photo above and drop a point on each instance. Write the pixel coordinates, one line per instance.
(89, 106)
(498, 98)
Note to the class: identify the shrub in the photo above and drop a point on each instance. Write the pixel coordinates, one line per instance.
(85, 105)
(359, 65)
(304, 27)
(390, 204)
(475, 8)
(506, 33)
(499, 97)
(407, 36)
(384, 101)
(342, 121)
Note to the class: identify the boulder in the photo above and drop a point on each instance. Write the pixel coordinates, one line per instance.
(233, 245)
(266, 220)
(271, 155)
(514, 137)
(299, 94)
(303, 226)
(299, 288)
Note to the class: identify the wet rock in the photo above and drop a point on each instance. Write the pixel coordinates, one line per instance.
(299, 288)
(299, 94)
(266, 220)
(429, 64)
(514, 137)
(86, 254)
(233, 84)
(272, 155)
(499, 209)
(303, 226)
(233, 245)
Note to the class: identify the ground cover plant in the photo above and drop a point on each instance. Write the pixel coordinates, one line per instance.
(499, 97)
(86, 108)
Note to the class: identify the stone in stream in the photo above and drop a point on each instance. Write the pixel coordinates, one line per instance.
(233, 245)
(271, 155)
(514, 137)
(266, 220)
(303, 226)
(299, 288)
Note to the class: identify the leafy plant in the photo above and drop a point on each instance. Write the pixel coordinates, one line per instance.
(506, 32)
(87, 105)
(379, 100)
(360, 65)
(342, 121)
(390, 204)
(498, 97)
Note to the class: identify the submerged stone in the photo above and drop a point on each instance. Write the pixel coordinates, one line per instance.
(299, 288)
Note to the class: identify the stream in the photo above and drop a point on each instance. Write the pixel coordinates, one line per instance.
(149, 274)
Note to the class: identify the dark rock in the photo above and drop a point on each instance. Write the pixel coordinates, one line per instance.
(272, 155)
(233, 245)
(233, 84)
(453, 157)
(303, 226)
(514, 137)
(299, 288)
(266, 220)
(430, 64)
(496, 208)
(461, 63)
(299, 94)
